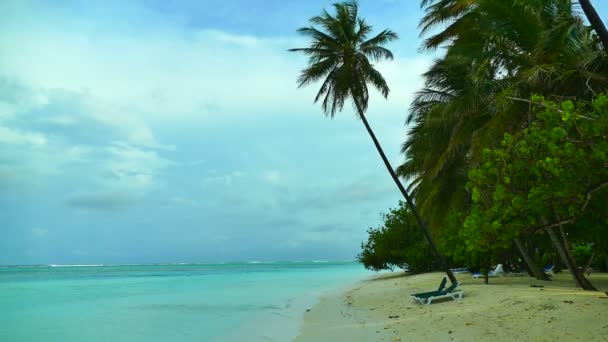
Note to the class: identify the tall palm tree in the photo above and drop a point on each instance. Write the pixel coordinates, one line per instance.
(340, 52)
(595, 21)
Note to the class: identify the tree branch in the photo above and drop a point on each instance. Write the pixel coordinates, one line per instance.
(591, 191)
(556, 224)
(549, 107)
(534, 103)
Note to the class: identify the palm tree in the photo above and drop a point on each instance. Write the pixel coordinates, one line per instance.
(509, 49)
(596, 22)
(340, 53)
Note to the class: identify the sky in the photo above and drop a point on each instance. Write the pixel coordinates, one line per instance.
(173, 131)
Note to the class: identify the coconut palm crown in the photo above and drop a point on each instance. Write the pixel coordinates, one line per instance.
(341, 54)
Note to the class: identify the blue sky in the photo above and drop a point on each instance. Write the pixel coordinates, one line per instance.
(173, 131)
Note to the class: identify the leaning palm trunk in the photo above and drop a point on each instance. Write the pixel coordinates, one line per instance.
(536, 271)
(596, 22)
(341, 54)
(579, 278)
(427, 234)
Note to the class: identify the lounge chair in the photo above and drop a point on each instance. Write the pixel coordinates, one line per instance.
(460, 270)
(428, 297)
(427, 294)
(549, 270)
(519, 273)
(497, 271)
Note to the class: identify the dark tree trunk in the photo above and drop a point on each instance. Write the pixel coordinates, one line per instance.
(486, 276)
(596, 22)
(557, 264)
(588, 264)
(536, 271)
(408, 199)
(580, 279)
(562, 233)
(528, 270)
(578, 271)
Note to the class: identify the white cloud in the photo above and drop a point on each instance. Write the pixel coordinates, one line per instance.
(133, 168)
(172, 74)
(242, 40)
(272, 177)
(226, 179)
(18, 137)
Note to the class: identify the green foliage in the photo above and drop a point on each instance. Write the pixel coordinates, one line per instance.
(582, 253)
(497, 51)
(542, 173)
(399, 242)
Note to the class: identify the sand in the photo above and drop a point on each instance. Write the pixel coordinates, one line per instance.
(507, 309)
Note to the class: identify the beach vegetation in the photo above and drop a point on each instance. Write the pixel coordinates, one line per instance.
(501, 173)
(397, 243)
(496, 169)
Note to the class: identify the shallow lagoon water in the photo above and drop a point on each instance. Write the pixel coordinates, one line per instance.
(189, 302)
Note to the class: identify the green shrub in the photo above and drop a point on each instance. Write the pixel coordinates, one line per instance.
(397, 243)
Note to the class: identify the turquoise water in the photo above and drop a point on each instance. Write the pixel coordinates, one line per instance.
(198, 302)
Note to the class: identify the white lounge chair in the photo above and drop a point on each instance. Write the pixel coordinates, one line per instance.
(496, 272)
(428, 297)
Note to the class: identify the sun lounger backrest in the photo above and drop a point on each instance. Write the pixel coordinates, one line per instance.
(451, 288)
(442, 285)
(498, 269)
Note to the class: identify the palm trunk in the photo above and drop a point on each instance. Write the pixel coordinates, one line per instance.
(588, 264)
(562, 233)
(536, 271)
(408, 199)
(528, 270)
(486, 276)
(580, 279)
(595, 21)
(578, 271)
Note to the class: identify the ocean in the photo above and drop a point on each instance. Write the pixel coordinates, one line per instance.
(185, 302)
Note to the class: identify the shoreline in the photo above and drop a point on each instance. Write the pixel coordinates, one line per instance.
(379, 309)
(285, 321)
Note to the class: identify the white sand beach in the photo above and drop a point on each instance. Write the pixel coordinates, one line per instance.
(380, 309)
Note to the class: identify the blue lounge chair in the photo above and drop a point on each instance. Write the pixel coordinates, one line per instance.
(430, 293)
(460, 270)
(428, 297)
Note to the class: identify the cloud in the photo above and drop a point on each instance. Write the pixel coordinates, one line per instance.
(331, 228)
(241, 40)
(17, 137)
(131, 108)
(226, 179)
(39, 232)
(132, 168)
(272, 177)
(101, 201)
(176, 73)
